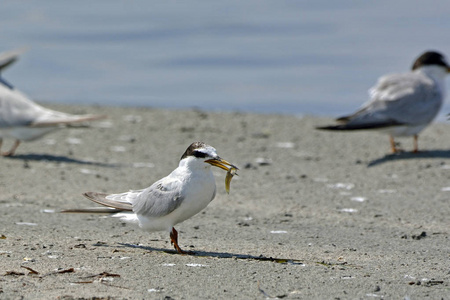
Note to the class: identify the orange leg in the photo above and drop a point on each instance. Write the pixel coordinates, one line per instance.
(174, 240)
(13, 149)
(416, 144)
(393, 146)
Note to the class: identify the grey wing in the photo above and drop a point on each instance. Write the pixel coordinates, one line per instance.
(160, 199)
(399, 99)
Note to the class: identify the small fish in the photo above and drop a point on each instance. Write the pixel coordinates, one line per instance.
(231, 172)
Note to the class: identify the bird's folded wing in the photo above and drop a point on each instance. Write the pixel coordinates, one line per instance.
(398, 99)
(406, 98)
(160, 199)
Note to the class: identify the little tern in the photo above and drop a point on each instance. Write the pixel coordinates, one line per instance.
(173, 199)
(25, 120)
(402, 104)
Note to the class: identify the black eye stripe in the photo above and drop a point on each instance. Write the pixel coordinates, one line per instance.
(197, 149)
(199, 154)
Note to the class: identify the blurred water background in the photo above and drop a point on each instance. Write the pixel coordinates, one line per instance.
(296, 57)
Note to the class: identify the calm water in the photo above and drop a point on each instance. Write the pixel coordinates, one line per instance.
(295, 57)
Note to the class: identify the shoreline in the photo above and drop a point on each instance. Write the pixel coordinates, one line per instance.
(350, 219)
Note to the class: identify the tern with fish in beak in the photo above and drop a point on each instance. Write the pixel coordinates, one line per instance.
(175, 198)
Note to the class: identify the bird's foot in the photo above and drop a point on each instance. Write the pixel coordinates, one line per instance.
(174, 241)
(12, 151)
(397, 151)
(7, 154)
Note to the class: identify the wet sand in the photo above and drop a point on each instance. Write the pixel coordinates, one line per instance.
(312, 214)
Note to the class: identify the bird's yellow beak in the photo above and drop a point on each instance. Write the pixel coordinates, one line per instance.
(221, 163)
(448, 70)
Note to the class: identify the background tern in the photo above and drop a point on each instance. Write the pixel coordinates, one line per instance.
(23, 119)
(173, 199)
(402, 104)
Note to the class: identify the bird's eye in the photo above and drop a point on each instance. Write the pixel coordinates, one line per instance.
(199, 154)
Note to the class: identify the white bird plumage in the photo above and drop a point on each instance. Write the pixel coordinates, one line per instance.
(25, 120)
(402, 104)
(173, 199)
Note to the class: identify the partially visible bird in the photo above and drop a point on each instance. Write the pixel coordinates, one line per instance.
(402, 104)
(173, 199)
(23, 119)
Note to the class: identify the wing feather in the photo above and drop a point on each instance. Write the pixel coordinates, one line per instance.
(106, 200)
(397, 99)
(9, 57)
(160, 199)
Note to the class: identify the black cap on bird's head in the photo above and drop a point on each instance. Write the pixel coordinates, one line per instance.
(431, 58)
(197, 149)
(202, 150)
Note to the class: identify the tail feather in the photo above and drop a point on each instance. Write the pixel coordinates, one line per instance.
(361, 126)
(100, 198)
(90, 210)
(342, 127)
(70, 119)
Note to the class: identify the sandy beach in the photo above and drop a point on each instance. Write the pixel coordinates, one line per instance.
(312, 214)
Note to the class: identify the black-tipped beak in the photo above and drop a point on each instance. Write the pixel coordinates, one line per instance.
(221, 163)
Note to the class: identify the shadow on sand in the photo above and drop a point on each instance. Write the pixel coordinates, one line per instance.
(290, 261)
(58, 159)
(410, 155)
